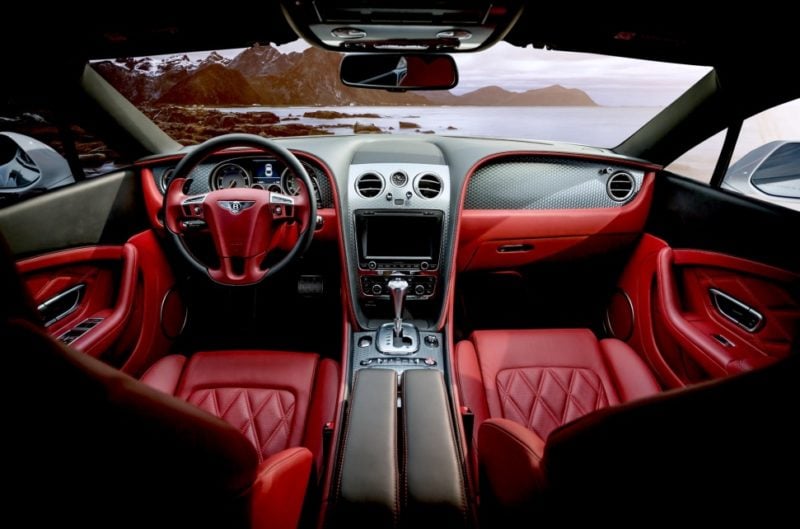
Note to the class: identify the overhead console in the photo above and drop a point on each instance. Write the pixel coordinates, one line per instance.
(349, 25)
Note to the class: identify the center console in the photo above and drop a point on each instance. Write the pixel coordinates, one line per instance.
(396, 222)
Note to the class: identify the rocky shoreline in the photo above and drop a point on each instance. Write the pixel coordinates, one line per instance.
(190, 125)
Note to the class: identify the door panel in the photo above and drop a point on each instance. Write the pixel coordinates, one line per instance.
(719, 265)
(97, 273)
(127, 311)
(723, 319)
(106, 280)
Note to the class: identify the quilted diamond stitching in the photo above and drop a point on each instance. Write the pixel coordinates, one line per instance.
(544, 398)
(264, 416)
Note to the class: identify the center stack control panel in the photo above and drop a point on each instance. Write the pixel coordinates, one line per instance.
(399, 216)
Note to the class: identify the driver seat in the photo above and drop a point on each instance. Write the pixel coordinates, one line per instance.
(93, 447)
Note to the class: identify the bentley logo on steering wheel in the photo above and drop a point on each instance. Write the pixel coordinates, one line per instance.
(236, 206)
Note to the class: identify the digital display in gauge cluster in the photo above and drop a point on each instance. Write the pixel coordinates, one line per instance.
(266, 173)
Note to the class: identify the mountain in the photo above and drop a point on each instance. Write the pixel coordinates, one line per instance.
(313, 79)
(262, 75)
(261, 60)
(212, 85)
(555, 95)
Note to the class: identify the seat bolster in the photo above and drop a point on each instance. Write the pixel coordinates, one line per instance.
(510, 457)
(630, 375)
(277, 495)
(323, 407)
(470, 382)
(165, 374)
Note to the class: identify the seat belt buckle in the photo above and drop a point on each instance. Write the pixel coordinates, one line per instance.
(468, 420)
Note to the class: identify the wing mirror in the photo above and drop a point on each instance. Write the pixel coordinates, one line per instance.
(399, 71)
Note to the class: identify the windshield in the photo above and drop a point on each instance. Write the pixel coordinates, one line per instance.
(294, 90)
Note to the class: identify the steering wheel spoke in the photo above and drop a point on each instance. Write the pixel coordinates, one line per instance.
(239, 270)
(245, 224)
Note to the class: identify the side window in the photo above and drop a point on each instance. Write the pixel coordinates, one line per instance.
(766, 160)
(33, 157)
(699, 162)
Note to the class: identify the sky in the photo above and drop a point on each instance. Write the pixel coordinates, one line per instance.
(610, 81)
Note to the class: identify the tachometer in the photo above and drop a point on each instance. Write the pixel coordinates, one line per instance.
(290, 183)
(229, 175)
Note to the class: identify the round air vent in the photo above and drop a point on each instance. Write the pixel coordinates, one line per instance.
(428, 185)
(620, 186)
(165, 176)
(369, 185)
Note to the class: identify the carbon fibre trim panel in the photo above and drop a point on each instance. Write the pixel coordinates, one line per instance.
(528, 182)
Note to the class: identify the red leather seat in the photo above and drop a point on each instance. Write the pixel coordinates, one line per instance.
(718, 452)
(276, 399)
(97, 448)
(542, 379)
(528, 383)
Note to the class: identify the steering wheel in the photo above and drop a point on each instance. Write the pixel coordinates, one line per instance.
(246, 225)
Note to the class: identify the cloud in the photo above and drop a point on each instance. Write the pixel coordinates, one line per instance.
(612, 81)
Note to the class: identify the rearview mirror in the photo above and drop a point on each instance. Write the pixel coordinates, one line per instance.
(399, 71)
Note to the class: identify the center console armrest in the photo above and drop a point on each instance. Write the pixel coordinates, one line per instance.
(435, 488)
(367, 486)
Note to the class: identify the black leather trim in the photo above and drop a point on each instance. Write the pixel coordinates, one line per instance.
(434, 481)
(689, 214)
(367, 487)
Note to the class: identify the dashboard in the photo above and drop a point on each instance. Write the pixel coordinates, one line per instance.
(428, 208)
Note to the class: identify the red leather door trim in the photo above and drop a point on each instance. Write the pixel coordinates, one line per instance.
(106, 333)
(694, 334)
(713, 259)
(115, 316)
(71, 256)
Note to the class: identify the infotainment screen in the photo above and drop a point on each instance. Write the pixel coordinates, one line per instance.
(400, 237)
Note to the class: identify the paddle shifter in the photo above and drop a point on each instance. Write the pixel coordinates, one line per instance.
(398, 338)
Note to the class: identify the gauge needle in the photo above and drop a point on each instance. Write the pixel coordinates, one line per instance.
(233, 184)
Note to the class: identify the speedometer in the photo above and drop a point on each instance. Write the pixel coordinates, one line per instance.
(229, 175)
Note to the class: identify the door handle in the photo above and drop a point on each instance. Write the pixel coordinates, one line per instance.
(61, 305)
(739, 313)
(510, 248)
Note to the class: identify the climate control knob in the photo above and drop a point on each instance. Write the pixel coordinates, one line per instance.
(377, 289)
(419, 290)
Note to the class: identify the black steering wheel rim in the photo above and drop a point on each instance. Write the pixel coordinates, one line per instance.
(227, 141)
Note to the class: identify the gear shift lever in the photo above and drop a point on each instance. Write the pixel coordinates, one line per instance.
(398, 289)
(397, 338)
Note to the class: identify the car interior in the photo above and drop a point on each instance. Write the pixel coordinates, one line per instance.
(400, 330)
